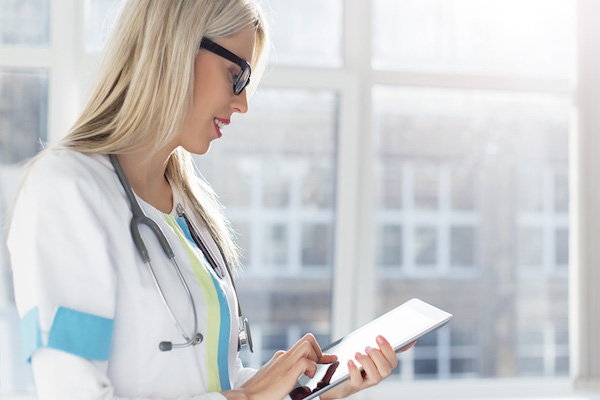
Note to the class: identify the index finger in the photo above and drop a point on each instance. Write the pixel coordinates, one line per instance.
(310, 338)
(386, 348)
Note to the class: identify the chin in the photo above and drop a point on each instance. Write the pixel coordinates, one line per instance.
(199, 150)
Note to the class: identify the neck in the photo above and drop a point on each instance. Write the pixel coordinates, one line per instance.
(145, 172)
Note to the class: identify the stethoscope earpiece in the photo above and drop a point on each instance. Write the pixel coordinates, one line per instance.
(165, 346)
(168, 346)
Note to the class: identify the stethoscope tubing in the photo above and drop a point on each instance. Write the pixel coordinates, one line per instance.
(139, 217)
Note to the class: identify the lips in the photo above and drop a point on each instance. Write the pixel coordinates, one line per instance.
(219, 124)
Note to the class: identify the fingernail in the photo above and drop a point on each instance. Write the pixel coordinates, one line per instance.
(380, 339)
(357, 355)
(368, 348)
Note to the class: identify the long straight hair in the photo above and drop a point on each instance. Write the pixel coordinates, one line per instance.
(144, 88)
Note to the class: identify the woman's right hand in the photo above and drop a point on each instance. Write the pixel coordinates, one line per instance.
(277, 378)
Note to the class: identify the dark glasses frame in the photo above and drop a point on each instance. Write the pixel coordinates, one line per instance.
(243, 78)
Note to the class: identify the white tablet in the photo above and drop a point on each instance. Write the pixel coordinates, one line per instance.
(401, 326)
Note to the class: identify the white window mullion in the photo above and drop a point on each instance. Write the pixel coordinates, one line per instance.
(296, 220)
(475, 82)
(65, 44)
(24, 57)
(445, 225)
(358, 59)
(345, 242)
(584, 279)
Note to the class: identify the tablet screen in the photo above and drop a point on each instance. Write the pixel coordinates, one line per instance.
(401, 327)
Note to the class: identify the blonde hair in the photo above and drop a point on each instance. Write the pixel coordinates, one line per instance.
(144, 88)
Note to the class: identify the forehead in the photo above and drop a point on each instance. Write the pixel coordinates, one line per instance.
(241, 43)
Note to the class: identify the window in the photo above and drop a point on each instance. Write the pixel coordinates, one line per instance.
(477, 181)
(395, 149)
(304, 37)
(23, 113)
(23, 128)
(25, 23)
(509, 37)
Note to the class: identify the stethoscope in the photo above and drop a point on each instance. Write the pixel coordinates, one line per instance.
(139, 217)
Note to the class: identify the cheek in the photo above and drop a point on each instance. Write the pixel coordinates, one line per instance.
(203, 82)
(211, 95)
(207, 99)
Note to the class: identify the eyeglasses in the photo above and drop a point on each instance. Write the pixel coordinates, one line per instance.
(243, 78)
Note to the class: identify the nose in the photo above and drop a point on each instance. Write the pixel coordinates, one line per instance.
(239, 103)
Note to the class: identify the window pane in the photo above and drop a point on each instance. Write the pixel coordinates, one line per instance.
(316, 190)
(543, 347)
(426, 367)
(462, 247)
(242, 230)
(562, 365)
(463, 190)
(531, 337)
(303, 36)
(531, 366)
(561, 191)
(460, 366)
(562, 247)
(462, 337)
(562, 334)
(426, 188)
(23, 126)
(317, 241)
(23, 114)
(530, 37)
(99, 17)
(391, 191)
(465, 351)
(276, 341)
(24, 22)
(275, 249)
(426, 246)
(281, 156)
(531, 247)
(531, 189)
(482, 221)
(390, 246)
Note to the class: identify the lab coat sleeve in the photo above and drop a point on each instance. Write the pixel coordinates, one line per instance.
(60, 375)
(242, 374)
(64, 280)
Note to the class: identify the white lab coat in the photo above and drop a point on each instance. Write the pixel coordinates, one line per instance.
(92, 317)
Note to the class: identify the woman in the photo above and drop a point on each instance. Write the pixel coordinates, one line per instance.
(103, 319)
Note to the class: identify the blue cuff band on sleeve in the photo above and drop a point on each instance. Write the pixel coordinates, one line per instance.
(75, 332)
(31, 337)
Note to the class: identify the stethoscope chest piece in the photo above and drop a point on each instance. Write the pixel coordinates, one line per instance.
(197, 339)
(245, 337)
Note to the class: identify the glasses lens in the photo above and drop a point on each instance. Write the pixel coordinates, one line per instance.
(242, 81)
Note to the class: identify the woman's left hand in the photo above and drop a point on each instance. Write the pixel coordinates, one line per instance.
(377, 365)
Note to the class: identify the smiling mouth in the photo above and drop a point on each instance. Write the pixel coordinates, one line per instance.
(219, 123)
